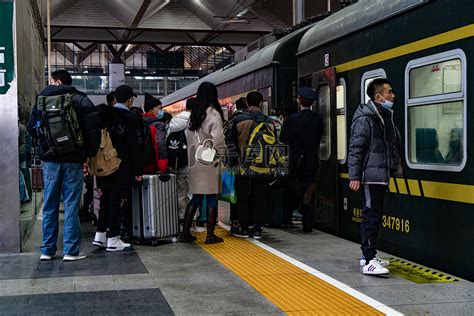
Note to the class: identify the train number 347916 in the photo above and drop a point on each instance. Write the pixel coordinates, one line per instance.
(395, 223)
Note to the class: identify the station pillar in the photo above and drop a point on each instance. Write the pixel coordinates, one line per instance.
(116, 75)
(9, 163)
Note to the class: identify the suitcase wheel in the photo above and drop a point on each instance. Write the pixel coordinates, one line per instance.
(174, 239)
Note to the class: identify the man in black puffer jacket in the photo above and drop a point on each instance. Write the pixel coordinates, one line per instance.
(62, 172)
(374, 153)
(125, 129)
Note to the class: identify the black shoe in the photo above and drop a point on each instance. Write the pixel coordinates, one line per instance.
(257, 234)
(241, 233)
(213, 239)
(183, 237)
(234, 230)
(128, 239)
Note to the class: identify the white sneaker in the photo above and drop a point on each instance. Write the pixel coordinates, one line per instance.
(374, 268)
(74, 257)
(116, 244)
(382, 262)
(100, 240)
(47, 257)
(198, 229)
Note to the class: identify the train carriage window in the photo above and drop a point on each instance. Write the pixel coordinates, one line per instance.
(435, 133)
(341, 121)
(324, 108)
(367, 78)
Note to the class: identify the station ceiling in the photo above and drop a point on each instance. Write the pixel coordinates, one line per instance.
(223, 23)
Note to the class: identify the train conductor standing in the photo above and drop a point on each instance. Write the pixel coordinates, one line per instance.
(302, 132)
(374, 154)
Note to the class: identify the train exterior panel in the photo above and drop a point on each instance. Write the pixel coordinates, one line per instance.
(271, 71)
(426, 49)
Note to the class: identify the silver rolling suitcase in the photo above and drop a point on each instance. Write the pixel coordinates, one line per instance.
(155, 208)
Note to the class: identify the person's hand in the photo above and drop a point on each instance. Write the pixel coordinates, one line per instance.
(354, 185)
(86, 170)
(138, 178)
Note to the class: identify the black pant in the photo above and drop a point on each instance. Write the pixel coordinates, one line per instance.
(302, 191)
(252, 200)
(234, 212)
(372, 196)
(112, 205)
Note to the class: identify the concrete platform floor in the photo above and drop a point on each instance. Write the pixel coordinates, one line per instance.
(183, 279)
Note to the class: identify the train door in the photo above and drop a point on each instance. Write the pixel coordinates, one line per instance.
(326, 213)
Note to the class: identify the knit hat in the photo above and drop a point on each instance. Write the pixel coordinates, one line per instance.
(151, 102)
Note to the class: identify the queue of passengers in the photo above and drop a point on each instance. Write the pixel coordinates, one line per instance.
(70, 128)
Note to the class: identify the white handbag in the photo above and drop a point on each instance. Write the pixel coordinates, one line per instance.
(205, 154)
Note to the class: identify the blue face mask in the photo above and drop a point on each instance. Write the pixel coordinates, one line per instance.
(160, 114)
(386, 104)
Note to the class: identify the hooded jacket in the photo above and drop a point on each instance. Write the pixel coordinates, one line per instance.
(179, 122)
(158, 132)
(373, 149)
(124, 127)
(81, 104)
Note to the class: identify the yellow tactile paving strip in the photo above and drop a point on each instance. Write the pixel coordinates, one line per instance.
(293, 290)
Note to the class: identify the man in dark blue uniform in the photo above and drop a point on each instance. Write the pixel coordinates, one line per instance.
(302, 133)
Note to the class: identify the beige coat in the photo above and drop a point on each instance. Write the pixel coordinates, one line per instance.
(205, 179)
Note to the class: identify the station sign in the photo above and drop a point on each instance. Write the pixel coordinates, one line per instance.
(7, 61)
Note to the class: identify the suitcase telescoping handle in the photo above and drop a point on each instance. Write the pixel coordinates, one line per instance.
(164, 177)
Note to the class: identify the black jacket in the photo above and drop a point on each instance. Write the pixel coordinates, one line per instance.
(374, 145)
(302, 132)
(82, 105)
(125, 129)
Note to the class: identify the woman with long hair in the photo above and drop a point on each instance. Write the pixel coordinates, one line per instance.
(205, 125)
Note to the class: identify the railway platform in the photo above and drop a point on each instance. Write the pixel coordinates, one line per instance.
(285, 272)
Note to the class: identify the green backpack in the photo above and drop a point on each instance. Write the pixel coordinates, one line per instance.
(60, 124)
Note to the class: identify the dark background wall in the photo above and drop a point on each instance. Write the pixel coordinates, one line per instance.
(283, 9)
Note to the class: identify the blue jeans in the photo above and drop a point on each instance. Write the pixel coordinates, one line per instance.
(68, 177)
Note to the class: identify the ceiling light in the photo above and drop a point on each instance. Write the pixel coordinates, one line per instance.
(242, 12)
(235, 20)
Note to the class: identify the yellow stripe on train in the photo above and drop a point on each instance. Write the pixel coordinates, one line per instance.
(429, 42)
(436, 190)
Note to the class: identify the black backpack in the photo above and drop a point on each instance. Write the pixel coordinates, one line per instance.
(177, 149)
(60, 125)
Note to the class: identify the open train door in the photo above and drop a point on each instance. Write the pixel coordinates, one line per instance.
(326, 212)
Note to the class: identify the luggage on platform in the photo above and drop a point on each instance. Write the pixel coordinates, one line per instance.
(274, 216)
(155, 208)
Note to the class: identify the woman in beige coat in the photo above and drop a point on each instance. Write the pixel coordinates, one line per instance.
(205, 123)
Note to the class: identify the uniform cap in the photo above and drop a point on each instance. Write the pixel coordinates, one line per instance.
(307, 95)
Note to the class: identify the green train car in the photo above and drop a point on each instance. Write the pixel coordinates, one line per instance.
(426, 49)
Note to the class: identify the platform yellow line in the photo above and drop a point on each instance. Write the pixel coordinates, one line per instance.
(293, 290)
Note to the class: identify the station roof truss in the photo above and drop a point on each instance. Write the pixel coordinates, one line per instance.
(221, 23)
